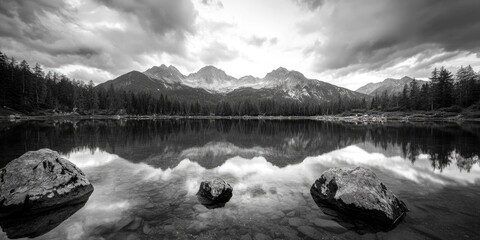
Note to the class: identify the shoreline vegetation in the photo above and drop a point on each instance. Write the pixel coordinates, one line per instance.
(353, 117)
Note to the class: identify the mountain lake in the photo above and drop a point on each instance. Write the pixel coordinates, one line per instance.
(146, 174)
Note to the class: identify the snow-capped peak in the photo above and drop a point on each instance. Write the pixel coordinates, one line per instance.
(162, 72)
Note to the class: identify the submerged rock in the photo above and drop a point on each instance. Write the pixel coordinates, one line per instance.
(41, 180)
(214, 193)
(358, 196)
(310, 232)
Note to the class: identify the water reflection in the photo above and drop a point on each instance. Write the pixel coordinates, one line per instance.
(266, 196)
(352, 220)
(146, 175)
(164, 144)
(32, 225)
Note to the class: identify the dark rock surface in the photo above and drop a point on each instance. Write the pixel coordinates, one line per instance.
(214, 193)
(357, 196)
(40, 180)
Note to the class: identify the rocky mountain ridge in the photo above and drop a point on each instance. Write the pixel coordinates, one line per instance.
(213, 84)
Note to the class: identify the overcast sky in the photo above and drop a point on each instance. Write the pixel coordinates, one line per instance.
(345, 42)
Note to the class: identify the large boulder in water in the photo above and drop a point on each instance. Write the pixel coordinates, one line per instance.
(357, 194)
(214, 193)
(40, 180)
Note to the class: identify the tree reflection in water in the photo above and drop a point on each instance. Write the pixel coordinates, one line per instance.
(164, 143)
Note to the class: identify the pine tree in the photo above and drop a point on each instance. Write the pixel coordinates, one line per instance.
(25, 73)
(414, 95)
(39, 85)
(92, 97)
(465, 86)
(434, 89)
(444, 88)
(404, 101)
(384, 100)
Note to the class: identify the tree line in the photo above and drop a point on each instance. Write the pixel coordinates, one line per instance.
(443, 91)
(32, 91)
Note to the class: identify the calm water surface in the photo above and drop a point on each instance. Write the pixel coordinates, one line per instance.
(146, 174)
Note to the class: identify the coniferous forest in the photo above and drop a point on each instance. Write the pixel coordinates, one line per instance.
(31, 91)
(444, 91)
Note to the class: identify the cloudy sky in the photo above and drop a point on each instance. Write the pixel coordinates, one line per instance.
(344, 42)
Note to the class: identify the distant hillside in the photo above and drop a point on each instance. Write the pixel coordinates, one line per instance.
(390, 85)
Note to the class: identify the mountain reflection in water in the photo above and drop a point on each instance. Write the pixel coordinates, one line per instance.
(146, 175)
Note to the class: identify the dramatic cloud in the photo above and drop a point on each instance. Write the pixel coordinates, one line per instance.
(161, 16)
(29, 23)
(376, 34)
(113, 36)
(345, 42)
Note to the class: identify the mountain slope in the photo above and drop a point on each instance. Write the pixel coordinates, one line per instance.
(390, 85)
(169, 74)
(293, 85)
(213, 85)
(211, 78)
(134, 81)
(166, 84)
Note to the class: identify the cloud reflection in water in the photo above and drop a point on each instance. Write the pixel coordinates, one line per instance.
(262, 190)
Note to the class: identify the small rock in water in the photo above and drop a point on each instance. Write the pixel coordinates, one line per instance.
(149, 205)
(296, 222)
(276, 214)
(147, 229)
(310, 232)
(200, 208)
(214, 193)
(261, 236)
(329, 225)
(204, 216)
(358, 196)
(245, 237)
(133, 236)
(135, 224)
(123, 223)
(197, 226)
(169, 228)
(124, 236)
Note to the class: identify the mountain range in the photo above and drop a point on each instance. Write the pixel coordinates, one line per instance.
(392, 86)
(211, 84)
